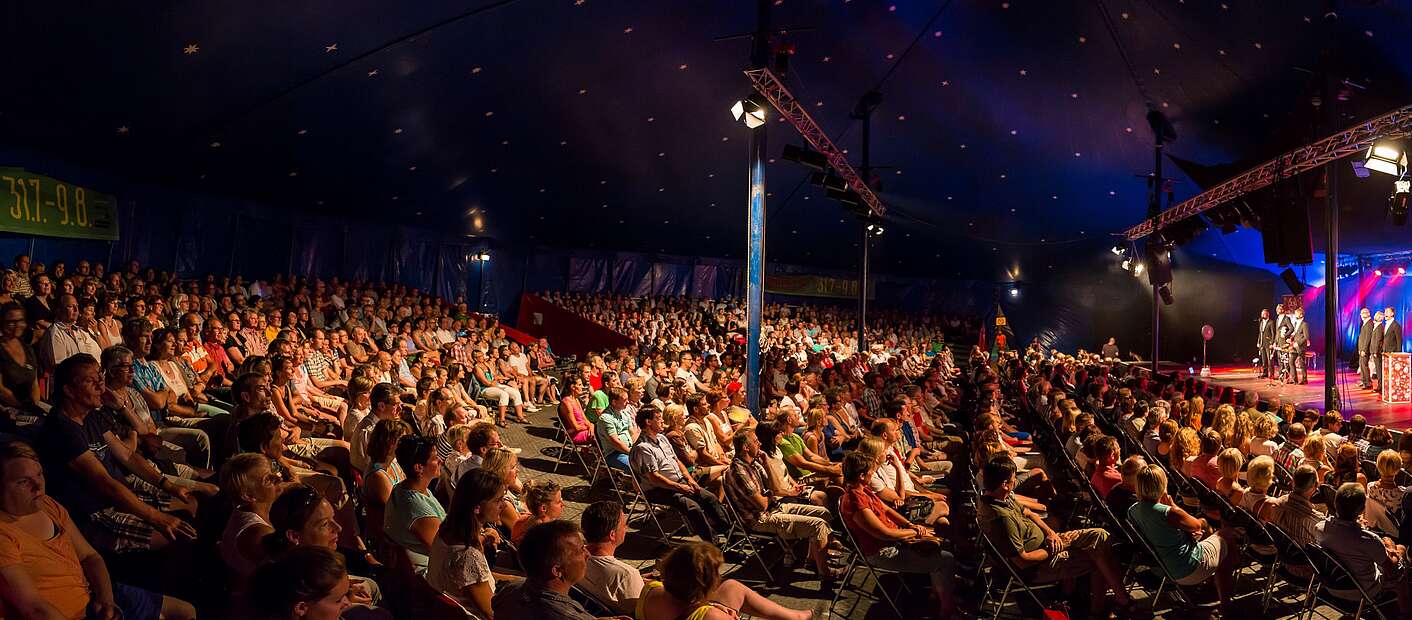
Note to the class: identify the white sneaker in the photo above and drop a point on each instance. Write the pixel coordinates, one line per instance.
(531, 408)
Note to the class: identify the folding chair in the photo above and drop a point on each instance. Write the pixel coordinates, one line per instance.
(1290, 562)
(1013, 576)
(1181, 594)
(410, 596)
(567, 445)
(630, 476)
(857, 562)
(1332, 574)
(748, 537)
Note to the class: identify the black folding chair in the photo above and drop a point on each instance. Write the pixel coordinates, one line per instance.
(1184, 595)
(1337, 581)
(1291, 564)
(1013, 576)
(858, 562)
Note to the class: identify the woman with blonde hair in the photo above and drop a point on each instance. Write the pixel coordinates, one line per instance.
(1224, 421)
(1196, 409)
(1386, 491)
(1243, 433)
(1185, 446)
(506, 466)
(1266, 428)
(1185, 545)
(1259, 474)
(1228, 485)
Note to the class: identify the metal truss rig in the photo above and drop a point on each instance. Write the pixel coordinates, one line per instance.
(770, 87)
(1358, 138)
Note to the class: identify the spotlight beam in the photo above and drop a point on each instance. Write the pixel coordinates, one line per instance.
(789, 108)
(1356, 139)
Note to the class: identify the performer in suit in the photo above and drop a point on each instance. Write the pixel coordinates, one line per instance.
(1392, 334)
(1375, 349)
(1282, 334)
(1365, 340)
(1299, 342)
(1265, 338)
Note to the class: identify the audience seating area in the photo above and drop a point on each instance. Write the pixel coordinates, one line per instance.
(300, 448)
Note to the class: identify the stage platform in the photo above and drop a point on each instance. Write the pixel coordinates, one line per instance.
(1354, 400)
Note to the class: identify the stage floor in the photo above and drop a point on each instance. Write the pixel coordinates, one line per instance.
(1354, 400)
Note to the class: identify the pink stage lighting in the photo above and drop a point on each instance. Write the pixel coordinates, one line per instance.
(1378, 273)
(1401, 271)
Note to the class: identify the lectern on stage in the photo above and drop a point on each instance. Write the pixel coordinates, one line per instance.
(1397, 377)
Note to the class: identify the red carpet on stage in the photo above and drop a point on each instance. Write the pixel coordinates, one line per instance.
(1311, 395)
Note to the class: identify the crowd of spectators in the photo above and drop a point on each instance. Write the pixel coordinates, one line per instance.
(324, 449)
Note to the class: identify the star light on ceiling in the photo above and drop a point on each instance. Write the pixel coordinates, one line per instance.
(301, 132)
(330, 48)
(190, 49)
(124, 129)
(372, 72)
(475, 70)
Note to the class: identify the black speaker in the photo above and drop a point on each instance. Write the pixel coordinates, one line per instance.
(1159, 261)
(1295, 286)
(1285, 230)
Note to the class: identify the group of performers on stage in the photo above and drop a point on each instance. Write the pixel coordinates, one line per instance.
(1379, 333)
(1284, 339)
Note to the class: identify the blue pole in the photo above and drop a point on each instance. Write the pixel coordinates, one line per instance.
(755, 268)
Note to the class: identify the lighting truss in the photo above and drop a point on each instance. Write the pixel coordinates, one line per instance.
(1356, 139)
(789, 108)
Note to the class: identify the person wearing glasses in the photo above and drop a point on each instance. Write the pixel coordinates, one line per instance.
(47, 567)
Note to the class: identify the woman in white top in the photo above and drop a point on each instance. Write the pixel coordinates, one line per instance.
(250, 484)
(458, 566)
(1265, 430)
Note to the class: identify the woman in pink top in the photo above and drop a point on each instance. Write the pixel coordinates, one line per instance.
(571, 414)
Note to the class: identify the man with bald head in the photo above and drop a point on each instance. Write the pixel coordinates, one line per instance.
(65, 338)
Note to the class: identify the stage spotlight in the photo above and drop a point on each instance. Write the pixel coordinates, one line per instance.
(482, 257)
(1387, 158)
(1127, 264)
(1402, 271)
(1117, 250)
(1378, 273)
(750, 111)
(1014, 292)
(1137, 270)
(806, 157)
(1397, 203)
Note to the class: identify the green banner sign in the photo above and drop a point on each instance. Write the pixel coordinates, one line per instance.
(815, 286)
(34, 204)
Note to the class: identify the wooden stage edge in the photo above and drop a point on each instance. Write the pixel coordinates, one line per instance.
(1354, 399)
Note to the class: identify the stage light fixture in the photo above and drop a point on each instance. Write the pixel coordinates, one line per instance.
(805, 157)
(1397, 203)
(1127, 264)
(1117, 250)
(1137, 270)
(1402, 271)
(1014, 292)
(1387, 158)
(482, 257)
(750, 111)
(1378, 273)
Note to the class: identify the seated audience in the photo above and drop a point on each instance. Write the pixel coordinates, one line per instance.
(608, 579)
(1375, 561)
(760, 511)
(1123, 495)
(413, 515)
(554, 558)
(1187, 548)
(544, 500)
(306, 583)
(47, 567)
(615, 430)
(691, 587)
(119, 498)
(457, 565)
(664, 480)
(887, 539)
(1028, 542)
(247, 482)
